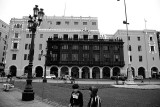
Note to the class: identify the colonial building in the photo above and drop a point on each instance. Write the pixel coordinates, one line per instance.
(77, 46)
(85, 58)
(4, 28)
(144, 51)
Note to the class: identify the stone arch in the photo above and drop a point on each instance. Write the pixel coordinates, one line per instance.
(154, 72)
(96, 73)
(141, 71)
(54, 70)
(13, 70)
(75, 72)
(106, 72)
(39, 71)
(116, 71)
(64, 71)
(85, 73)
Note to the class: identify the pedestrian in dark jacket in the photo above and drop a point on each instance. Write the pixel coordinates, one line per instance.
(94, 100)
(76, 99)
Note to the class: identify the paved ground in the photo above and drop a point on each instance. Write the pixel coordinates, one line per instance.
(13, 97)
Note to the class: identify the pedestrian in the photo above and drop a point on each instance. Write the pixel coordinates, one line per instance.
(76, 99)
(94, 100)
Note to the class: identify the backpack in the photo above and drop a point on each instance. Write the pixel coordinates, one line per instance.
(95, 102)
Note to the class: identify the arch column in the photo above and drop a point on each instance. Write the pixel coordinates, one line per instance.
(59, 72)
(90, 72)
(80, 72)
(69, 68)
(101, 75)
(111, 72)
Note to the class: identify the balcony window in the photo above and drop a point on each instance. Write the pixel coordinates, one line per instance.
(64, 57)
(64, 47)
(65, 36)
(74, 57)
(95, 47)
(96, 57)
(85, 57)
(85, 47)
(75, 36)
(85, 37)
(75, 47)
(106, 48)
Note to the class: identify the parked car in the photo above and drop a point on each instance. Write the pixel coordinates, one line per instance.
(120, 77)
(52, 76)
(24, 76)
(139, 77)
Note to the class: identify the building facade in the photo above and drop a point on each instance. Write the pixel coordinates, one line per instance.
(4, 29)
(66, 28)
(144, 52)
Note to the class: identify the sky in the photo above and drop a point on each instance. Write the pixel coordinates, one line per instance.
(110, 13)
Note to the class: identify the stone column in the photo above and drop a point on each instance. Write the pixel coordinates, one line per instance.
(111, 72)
(80, 72)
(90, 72)
(59, 72)
(101, 73)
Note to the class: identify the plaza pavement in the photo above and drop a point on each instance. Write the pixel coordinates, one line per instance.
(13, 97)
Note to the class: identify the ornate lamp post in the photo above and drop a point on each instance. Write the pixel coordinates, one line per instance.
(129, 70)
(33, 22)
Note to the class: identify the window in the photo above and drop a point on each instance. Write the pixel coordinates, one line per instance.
(54, 47)
(130, 58)
(106, 48)
(139, 48)
(74, 57)
(16, 35)
(27, 35)
(64, 57)
(152, 48)
(95, 37)
(86, 57)
(84, 23)
(116, 58)
(40, 46)
(53, 57)
(39, 56)
(14, 56)
(85, 47)
(25, 56)
(26, 46)
(58, 23)
(65, 36)
(85, 37)
(75, 47)
(75, 36)
(93, 23)
(15, 45)
(96, 57)
(106, 57)
(138, 38)
(129, 48)
(75, 23)
(66, 22)
(64, 47)
(140, 58)
(41, 35)
(95, 47)
(150, 38)
(55, 36)
(116, 48)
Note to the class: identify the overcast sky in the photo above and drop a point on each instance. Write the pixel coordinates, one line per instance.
(110, 13)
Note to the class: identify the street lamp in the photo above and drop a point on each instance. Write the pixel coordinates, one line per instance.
(45, 55)
(33, 22)
(129, 70)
